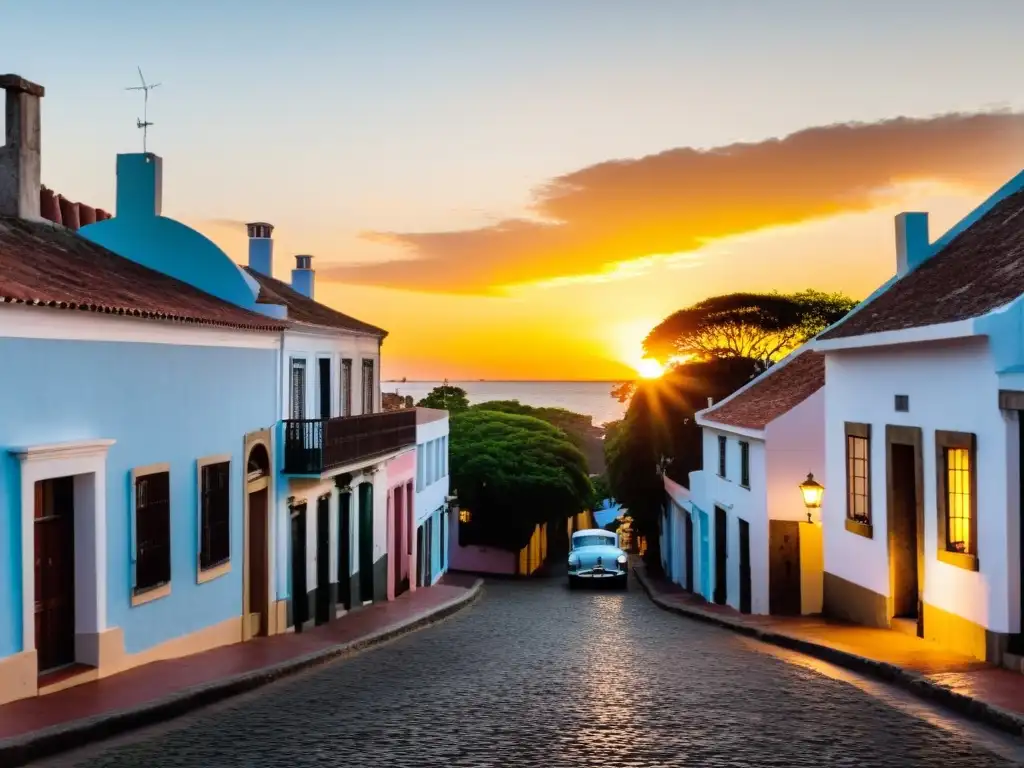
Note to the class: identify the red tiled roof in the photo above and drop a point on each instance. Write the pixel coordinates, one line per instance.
(777, 391)
(980, 270)
(302, 309)
(43, 264)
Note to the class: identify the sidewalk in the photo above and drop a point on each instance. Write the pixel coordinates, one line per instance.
(983, 692)
(31, 729)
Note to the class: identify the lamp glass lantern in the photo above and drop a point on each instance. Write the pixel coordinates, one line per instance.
(812, 492)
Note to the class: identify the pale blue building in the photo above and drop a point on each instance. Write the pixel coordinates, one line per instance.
(131, 444)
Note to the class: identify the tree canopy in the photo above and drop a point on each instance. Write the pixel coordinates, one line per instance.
(578, 426)
(446, 398)
(758, 326)
(513, 472)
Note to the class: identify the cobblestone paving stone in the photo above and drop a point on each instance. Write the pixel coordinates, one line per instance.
(537, 676)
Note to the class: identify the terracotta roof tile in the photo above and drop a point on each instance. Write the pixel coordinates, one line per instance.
(60, 210)
(980, 270)
(775, 392)
(44, 264)
(302, 309)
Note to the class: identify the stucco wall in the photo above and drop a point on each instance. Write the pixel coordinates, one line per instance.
(160, 403)
(795, 445)
(951, 386)
(311, 346)
(432, 443)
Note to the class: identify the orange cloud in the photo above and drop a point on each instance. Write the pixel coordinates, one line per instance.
(678, 200)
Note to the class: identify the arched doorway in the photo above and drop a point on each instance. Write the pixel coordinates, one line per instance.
(256, 583)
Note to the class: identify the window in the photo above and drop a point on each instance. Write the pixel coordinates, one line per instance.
(298, 389)
(346, 387)
(152, 488)
(464, 516)
(721, 456)
(324, 381)
(957, 494)
(214, 513)
(745, 465)
(902, 403)
(367, 386)
(858, 478)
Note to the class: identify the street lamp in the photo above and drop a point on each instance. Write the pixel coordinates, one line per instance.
(812, 492)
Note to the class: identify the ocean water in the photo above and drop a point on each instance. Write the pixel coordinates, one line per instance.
(590, 397)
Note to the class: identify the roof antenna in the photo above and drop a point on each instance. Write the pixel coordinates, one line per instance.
(144, 122)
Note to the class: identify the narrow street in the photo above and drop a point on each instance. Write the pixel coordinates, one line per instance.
(534, 675)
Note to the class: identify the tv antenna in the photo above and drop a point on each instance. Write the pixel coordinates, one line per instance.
(144, 122)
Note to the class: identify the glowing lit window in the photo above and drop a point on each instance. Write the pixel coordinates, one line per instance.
(464, 516)
(958, 501)
(957, 492)
(858, 473)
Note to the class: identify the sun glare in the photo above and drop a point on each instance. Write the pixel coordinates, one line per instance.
(648, 368)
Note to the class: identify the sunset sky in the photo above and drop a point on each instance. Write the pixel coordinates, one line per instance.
(522, 189)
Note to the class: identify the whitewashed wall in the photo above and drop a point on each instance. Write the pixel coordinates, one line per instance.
(951, 386)
(795, 446)
(337, 345)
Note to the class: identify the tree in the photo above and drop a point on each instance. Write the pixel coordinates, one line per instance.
(446, 398)
(659, 433)
(758, 326)
(578, 427)
(513, 473)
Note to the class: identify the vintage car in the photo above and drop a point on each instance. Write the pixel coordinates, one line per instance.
(595, 557)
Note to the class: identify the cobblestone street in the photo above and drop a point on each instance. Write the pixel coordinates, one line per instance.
(536, 675)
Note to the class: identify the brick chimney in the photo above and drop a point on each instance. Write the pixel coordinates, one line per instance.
(20, 155)
(303, 276)
(261, 248)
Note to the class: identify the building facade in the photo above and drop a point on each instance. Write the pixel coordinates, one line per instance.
(923, 439)
(432, 495)
(126, 440)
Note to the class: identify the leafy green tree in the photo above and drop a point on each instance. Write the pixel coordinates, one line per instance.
(512, 473)
(578, 426)
(758, 326)
(446, 398)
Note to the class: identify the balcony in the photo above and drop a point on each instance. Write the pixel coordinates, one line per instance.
(315, 446)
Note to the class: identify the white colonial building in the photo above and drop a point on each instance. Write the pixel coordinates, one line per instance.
(922, 527)
(741, 535)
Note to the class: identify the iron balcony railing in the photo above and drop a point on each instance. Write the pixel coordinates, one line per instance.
(314, 446)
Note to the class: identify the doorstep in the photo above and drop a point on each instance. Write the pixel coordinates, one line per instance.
(981, 691)
(40, 726)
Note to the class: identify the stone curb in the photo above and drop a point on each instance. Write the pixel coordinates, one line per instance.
(976, 709)
(20, 750)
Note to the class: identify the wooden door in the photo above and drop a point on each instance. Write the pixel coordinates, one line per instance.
(419, 556)
(784, 567)
(324, 606)
(744, 566)
(688, 532)
(398, 541)
(257, 555)
(345, 551)
(428, 551)
(721, 555)
(903, 544)
(55, 572)
(300, 599)
(366, 542)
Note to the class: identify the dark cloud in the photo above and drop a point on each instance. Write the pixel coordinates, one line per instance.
(677, 200)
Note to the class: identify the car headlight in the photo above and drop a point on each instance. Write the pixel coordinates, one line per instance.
(574, 562)
(622, 560)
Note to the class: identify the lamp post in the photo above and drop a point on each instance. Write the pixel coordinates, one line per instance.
(812, 492)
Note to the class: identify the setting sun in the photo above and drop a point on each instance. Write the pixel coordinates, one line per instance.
(649, 368)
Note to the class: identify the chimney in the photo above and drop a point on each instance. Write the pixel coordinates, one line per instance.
(20, 155)
(261, 248)
(912, 246)
(140, 181)
(711, 401)
(303, 275)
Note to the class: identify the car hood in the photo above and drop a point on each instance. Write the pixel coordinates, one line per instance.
(588, 555)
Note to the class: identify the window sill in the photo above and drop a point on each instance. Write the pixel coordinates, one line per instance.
(861, 529)
(959, 559)
(214, 572)
(150, 594)
(745, 486)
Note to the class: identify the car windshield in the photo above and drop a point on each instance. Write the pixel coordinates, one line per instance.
(592, 541)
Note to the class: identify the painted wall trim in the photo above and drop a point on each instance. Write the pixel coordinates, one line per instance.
(69, 450)
(960, 329)
(21, 322)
